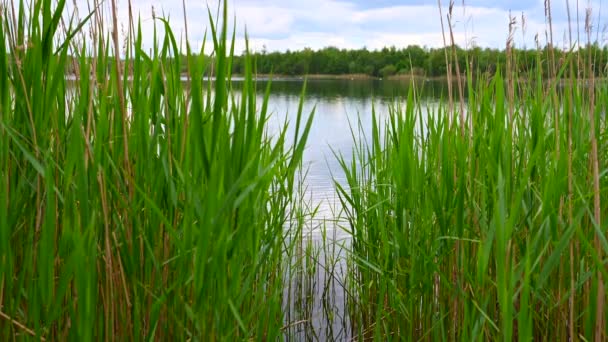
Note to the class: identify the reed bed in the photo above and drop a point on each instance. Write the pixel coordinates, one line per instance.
(134, 205)
(487, 220)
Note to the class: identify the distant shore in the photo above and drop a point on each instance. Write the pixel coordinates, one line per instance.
(398, 77)
(350, 77)
(361, 77)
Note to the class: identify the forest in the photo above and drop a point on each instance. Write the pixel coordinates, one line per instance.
(412, 60)
(416, 60)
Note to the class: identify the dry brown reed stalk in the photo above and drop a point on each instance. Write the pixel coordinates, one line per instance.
(549, 18)
(27, 330)
(524, 26)
(121, 98)
(578, 39)
(551, 91)
(569, 112)
(72, 43)
(599, 316)
(131, 24)
(458, 74)
(185, 130)
(552, 71)
(509, 71)
(448, 65)
(90, 129)
(451, 121)
(455, 272)
(115, 277)
(18, 43)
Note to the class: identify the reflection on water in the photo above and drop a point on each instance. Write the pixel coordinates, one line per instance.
(340, 106)
(316, 300)
(356, 89)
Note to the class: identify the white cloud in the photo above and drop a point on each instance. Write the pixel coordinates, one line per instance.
(281, 25)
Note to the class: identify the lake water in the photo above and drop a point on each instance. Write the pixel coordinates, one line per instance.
(315, 304)
(339, 105)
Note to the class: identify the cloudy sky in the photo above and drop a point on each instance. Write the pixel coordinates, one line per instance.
(278, 25)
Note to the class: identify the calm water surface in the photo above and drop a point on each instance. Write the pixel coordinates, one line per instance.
(340, 106)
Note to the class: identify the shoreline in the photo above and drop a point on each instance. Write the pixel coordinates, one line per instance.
(359, 77)
(348, 77)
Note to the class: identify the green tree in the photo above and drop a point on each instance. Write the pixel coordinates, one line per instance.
(388, 70)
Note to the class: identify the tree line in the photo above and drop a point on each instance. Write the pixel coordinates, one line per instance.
(416, 60)
(430, 62)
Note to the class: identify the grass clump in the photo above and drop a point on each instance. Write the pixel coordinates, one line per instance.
(486, 223)
(134, 205)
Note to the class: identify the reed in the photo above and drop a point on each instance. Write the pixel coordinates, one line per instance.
(497, 233)
(132, 204)
(136, 205)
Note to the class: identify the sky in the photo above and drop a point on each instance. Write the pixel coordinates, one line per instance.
(279, 25)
